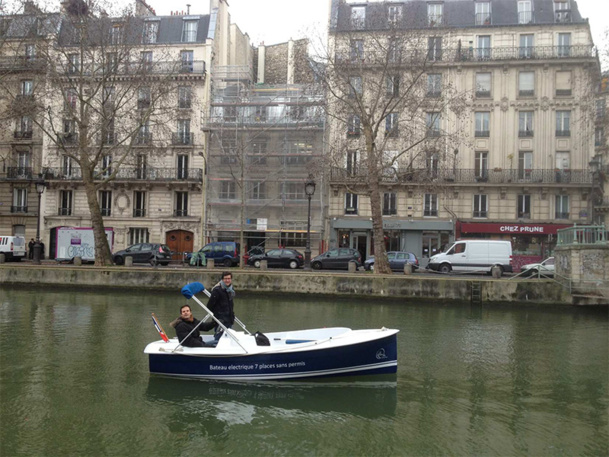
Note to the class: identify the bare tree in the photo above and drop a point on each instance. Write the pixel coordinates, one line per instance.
(101, 96)
(393, 112)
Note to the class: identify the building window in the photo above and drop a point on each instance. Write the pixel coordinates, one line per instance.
(189, 31)
(259, 147)
(138, 235)
(431, 164)
(525, 165)
(484, 47)
(181, 208)
(355, 86)
(146, 60)
(143, 98)
(435, 12)
(432, 124)
(483, 120)
(483, 13)
(184, 136)
(524, 206)
(562, 11)
(228, 190)
(65, 203)
(116, 34)
(19, 200)
(563, 123)
(358, 17)
(357, 50)
(525, 51)
(599, 136)
(27, 88)
(525, 124)
(111, 62)
(525, 12)
(391, 125)
(182, 166)
(563, 83)
(350, 203)
(390, 164)
(30, 51)
(105, 202)
(434, 85)
(106, 165)
(480, 206)
(483, 84)
(564, 44)
(141, 167)
(67, 166)
(431, 205)
(73, 63)
(526, 84)
(393, 85)
(352, 162)
(139, 203)
(184, 97)
(257, 191)
(25, 127)
(481, 166)
(292, 191)
(434, 48)
(151, 32)
(562, 207)
(389, 204)
(144, 135)
(600, 108)
(394, 14)
(187, 60)
(353, 125)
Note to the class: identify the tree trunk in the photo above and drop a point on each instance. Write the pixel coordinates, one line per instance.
(103, 256)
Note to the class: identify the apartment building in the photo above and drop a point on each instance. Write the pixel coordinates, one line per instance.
(599, 165)
(265, 132)
(518, 163)
(126, 96)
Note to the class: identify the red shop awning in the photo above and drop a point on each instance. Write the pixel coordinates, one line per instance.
(508, 228)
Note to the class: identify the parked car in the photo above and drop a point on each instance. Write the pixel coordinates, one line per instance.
(337, 259)
(278, 258)
(545, 268)
(224, 253)
(144, 253)
(397, 260)
(256, 250)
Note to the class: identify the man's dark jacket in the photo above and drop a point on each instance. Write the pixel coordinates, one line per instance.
(183, 328)
(221, 304)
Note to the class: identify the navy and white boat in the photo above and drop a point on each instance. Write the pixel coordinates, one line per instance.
(298, 354)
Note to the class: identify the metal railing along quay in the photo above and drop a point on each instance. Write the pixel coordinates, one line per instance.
(583, 234)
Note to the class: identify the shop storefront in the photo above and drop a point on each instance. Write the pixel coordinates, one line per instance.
(423, 238)
(530, 242)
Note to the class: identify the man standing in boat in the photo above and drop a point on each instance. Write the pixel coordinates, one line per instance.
(187, 328)
(221, 304)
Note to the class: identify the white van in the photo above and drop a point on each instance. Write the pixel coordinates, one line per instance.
(474, 256)
(13, 247)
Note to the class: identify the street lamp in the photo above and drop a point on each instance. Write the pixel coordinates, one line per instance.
(595, 167)
(309, 190)
(40, 186)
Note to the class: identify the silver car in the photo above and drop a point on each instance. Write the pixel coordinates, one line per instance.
(545, 268)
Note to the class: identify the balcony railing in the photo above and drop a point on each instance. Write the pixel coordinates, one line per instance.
(561, 215)
(182, 138)
(19, 172)
(563, 133)
(21, 63)
(18, 209)
(480, 214)
(107, 212)
(67, 139)
(268, 121)
(180, 213)
(64, 211)
(525, 133)
(464, 54)
(196, 67)
(469, 176)
(23, 134)
(584, 234)
(139, 212)
(482, 133)
(129, 174)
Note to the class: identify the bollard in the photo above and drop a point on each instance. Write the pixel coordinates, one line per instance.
(129, 261)
(77, 261)
(496, 272)
(264, 264)
(2, 258)
(408, 269)
(211, 263)
(352, 266)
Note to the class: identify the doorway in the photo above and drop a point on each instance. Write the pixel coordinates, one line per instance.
(359, 242)
(179, 241)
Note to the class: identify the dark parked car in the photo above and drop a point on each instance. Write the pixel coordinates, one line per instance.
(278, 258)
(397, 260)
(256, 250)
(224, 253)
(337, 259)
(144, 253)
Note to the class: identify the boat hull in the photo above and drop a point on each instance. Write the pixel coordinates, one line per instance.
(377, 356)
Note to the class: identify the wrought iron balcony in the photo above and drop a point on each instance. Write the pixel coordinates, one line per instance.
(182, 138)
(67, 139)
(140, 68)
(18, 209)
(180, 213)
(21, 63)
(25, 135)
(129, 174)
(19, 172)
(64, 211)
(467, 176)
(139, 212)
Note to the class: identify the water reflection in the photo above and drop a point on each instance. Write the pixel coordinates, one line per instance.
(366, 398)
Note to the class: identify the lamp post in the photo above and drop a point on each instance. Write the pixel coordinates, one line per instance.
(309, 190)
(594, 166)
(40, 186)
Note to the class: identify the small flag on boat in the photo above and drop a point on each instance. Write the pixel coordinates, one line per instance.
(159, 328)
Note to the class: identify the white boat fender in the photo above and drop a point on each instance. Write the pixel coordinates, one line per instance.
(261, 339)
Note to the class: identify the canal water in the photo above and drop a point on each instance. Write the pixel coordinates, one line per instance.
(484, 381)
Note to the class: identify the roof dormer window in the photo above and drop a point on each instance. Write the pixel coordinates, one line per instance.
(189, 31)
(562, 11)
(435, 14)
(358, 17)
